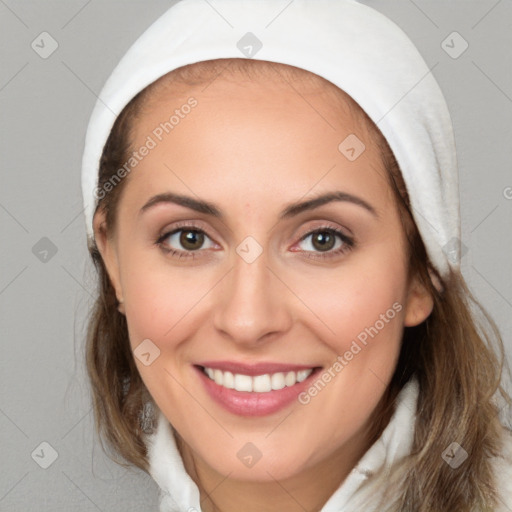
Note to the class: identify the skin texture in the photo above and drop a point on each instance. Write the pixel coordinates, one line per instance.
(253, 147)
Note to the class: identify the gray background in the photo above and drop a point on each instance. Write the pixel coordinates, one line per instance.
(44, 299)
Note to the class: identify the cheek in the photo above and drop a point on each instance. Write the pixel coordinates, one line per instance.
(157, 294)
(158, 306)
(362, 309)
(363, 300)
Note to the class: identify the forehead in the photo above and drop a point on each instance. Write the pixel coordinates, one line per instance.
(246, 117)
(262, 76)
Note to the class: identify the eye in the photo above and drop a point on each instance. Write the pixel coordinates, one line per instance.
(323, 239)
(188, 236)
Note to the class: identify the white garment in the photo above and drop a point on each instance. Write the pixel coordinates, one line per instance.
(179, 493)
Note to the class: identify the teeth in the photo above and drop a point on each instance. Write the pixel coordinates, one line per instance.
(217, 377)
(228, 380)
(303, 375)
(290, 379)
(259, 383)
(242, 382)
(278, 381)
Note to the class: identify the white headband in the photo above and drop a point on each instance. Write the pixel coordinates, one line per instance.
(351, 45)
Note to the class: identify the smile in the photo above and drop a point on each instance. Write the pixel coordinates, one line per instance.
(259, 383)
(254, 389)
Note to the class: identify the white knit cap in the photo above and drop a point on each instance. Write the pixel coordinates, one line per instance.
(350, 44)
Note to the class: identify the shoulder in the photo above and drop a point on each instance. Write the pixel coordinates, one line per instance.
(503, 472)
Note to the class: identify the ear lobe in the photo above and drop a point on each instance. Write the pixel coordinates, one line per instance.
(108, 252)
(420, 304)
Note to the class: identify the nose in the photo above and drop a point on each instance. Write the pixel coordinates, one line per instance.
(252, 303)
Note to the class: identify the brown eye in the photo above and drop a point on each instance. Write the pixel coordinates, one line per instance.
(191, 239)
(184, 241)
(323, 240)
(324, 245)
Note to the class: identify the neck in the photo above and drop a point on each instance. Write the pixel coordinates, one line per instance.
(308, 490)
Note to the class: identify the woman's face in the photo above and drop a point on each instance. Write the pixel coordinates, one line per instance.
(250, 293)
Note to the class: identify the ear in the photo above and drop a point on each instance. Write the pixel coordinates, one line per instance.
(419, 305)
(108, 251)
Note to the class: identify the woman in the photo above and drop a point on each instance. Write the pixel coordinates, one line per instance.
(282, 322)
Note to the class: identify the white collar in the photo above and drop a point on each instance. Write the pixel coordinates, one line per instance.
(179, 493)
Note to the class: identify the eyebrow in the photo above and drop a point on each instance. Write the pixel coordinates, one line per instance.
(291, 209)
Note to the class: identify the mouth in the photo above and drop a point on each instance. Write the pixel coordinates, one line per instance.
(259, 383)
(254, 390)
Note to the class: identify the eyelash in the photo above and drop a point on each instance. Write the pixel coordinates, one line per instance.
(348, 243)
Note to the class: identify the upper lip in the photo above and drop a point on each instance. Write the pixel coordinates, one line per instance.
(254, 368)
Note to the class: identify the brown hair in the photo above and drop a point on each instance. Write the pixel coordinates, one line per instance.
(458, 368)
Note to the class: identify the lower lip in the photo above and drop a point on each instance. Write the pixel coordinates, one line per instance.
(244, 403)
